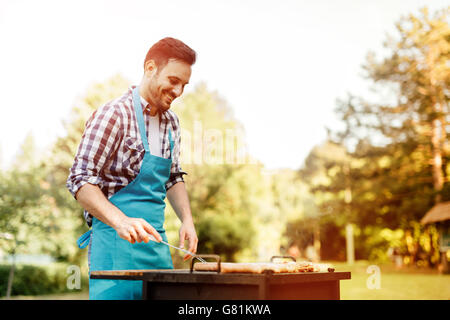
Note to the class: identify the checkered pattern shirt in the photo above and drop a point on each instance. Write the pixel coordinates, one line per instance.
(111, 150)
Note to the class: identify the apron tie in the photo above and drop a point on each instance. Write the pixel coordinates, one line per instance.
(83, 241)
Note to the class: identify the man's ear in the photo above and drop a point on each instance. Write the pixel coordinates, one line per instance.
(149, 67)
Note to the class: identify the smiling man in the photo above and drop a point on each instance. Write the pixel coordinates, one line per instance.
(126, 164)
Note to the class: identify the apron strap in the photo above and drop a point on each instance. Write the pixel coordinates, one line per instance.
(140, 118)
(83, 241)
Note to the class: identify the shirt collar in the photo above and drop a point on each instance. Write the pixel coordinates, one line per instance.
(147, 107)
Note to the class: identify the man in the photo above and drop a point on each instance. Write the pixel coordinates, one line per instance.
(126, 164)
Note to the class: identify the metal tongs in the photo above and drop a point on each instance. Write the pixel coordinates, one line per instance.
(178, 248)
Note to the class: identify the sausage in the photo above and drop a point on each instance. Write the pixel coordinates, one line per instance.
(256, 267)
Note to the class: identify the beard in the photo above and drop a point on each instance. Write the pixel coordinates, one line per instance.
(166, 100)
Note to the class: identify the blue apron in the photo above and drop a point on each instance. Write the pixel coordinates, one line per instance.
(142, 198)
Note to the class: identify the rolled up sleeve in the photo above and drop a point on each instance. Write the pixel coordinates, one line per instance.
(100, 139)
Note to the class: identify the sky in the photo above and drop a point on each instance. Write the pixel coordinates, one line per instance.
(280, 65)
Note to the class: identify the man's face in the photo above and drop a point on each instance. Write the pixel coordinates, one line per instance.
(167, 83)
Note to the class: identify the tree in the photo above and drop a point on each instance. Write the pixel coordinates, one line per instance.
(326, 173)
(417, 71)
(418, 65)
(62, 154)
(27, 211)
(399, 146)
(222, 180)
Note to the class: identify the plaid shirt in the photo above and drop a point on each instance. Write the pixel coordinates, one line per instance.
(111, 150)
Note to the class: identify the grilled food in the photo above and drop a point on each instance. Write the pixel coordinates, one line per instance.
(256, 267)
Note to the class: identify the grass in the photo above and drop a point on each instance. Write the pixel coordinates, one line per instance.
(403, 284)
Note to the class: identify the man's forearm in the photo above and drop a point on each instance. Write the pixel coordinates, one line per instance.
(131, 229)
(94, 201)
(179, 201)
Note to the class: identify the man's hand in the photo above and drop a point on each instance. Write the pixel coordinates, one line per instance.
(135, 229)
(187, 232)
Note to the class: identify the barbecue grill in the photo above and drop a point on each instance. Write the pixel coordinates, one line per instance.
(188, 284)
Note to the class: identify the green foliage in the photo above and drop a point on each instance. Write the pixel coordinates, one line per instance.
(221, 190)
(220, 234)
(25, 212)
(34, 280)
(381, 173)
(301, 234)
(377, 242)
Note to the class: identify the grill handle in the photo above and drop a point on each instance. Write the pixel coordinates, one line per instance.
(206, 256)
(282, 257)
